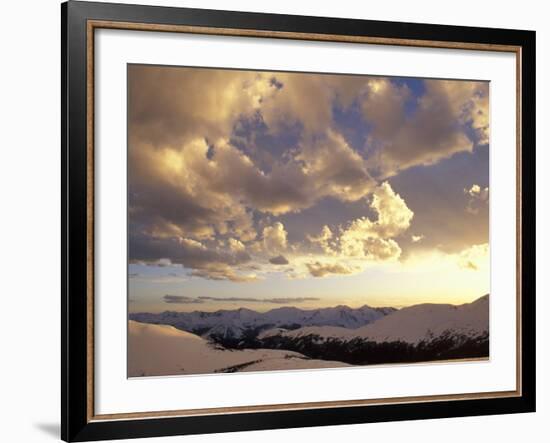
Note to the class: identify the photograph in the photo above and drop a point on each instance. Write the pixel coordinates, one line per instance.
(285, 220)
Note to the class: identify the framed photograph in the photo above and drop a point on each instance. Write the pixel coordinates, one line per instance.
(277, 221)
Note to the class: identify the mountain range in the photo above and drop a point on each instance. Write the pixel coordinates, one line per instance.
(413, 324)
(362, 336)
(424, 332)
(233, 325)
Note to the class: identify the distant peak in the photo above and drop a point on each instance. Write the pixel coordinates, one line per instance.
(481, 299)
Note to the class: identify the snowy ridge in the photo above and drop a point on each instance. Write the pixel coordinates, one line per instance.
(412, 325)
(155, 350)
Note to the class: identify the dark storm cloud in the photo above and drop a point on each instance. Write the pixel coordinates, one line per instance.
(279, 260)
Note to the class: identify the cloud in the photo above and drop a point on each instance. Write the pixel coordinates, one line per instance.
(334, 168)
(325, 240)
(478, 198)
(380, 249)
(170, 278)
(207, 262)
(177, 250)
(170, 105)
(383, 105)
(162, 263)
(417, 238)
(164, 183)
(478, 193)
(317, 269)
(450, 117)
(275, 238)
(288, 300)
(275, 300)
(394, 216)
(235, 245)
(475, 257)
(181, 299)
(373, 239)
(223, 272)
(470, 102)
(308, 99)
(279, 260)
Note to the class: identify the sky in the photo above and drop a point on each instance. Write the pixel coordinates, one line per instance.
(265, 189)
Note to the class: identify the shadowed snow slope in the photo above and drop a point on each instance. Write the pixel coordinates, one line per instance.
(431, 320)
(165, 350)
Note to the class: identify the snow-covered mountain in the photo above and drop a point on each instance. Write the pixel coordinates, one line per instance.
(418, 333)
(235, 324)
(413, 324)
(155, 350)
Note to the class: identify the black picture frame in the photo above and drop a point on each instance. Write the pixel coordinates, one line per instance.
(76, 422)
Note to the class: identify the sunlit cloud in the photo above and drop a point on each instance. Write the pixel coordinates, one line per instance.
(317, 269)
(478, 198)
(416, 238)
(475, 258)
